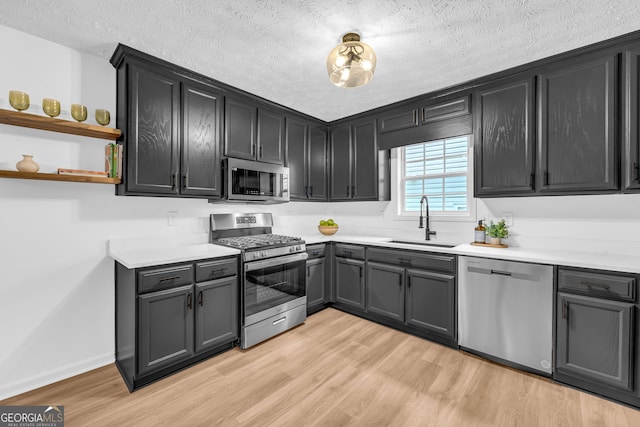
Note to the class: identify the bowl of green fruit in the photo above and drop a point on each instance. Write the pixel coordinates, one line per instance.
(328, 227)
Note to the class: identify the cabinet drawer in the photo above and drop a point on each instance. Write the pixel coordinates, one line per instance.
(316, 251)
(163, 278)
(413, 259)
(596, 283)
(349, 251)
(216, 269)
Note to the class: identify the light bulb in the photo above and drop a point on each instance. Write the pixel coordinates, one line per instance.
(366, 65)
(340, 60)
(345, 74)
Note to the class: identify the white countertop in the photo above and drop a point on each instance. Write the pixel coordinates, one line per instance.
(145, 257)
(136, 255)
(595, 260)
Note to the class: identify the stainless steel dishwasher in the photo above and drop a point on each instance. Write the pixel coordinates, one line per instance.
(505, 312)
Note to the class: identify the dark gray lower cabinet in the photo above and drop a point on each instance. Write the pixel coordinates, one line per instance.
(597, 333)
(420, 299)
(594, 337)
(349, 275)
(385, 290)
(165, 325)
(414, 291)
(168, 317)
(318, 274)
(216, 312)
(431, 301)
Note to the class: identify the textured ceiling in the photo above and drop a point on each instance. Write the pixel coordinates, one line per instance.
(277, 49)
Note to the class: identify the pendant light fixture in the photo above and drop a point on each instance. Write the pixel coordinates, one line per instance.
(351, 63)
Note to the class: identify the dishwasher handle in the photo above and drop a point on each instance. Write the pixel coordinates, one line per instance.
(501, 273)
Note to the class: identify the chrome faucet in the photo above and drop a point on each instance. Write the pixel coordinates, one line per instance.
(428, 233)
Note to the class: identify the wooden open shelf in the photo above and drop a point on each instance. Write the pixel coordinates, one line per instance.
(32, 121)
(56, 177)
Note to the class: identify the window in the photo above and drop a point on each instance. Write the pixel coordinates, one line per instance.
(440, 170)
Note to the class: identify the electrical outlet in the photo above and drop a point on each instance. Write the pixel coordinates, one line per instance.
(171, 218)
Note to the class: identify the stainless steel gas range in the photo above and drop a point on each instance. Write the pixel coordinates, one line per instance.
(274, 288)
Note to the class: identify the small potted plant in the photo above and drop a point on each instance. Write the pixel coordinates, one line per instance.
(497, 231)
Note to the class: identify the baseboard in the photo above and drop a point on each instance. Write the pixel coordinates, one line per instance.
(64, 372)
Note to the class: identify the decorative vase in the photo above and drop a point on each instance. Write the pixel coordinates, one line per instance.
(494, 240)
(27, 164)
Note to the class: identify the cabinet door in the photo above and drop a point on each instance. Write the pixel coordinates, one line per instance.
(201, 124)
(316, 282)
(216, 316)
(341, 184)
(349, 282)
(240, 122)
(593, 340)
(631, 120)
(577, 127)
(165, 328)
(504, 143)
(152, 143)
(385, 290)
(270, 136)
(405, 117)
(297, 158)
(365, 161)
(318, 157)
(431, 303)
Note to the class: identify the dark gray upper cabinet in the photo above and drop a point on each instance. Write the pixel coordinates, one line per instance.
(341, 163)
(365, 161)
(428, 120)
(318, 164)
(240, 129)
(354, 161)
(253, 132)
(399, 119)
(201, 132)
(297, 158)
(152, 153)
(594, 340)
(165, 328)
(504, 138)
(171, 132)
(630, 119)
(577, 103)
(271, 140)
(307, 152)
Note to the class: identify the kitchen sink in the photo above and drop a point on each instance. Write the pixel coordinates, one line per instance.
(425, 243)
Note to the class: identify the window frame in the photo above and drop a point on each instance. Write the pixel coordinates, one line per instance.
(398, 181)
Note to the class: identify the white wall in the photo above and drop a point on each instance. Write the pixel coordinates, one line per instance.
(56, 292)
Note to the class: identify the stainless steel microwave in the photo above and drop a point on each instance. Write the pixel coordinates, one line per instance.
(250, 181)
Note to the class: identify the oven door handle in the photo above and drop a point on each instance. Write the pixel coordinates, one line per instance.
(271, 262)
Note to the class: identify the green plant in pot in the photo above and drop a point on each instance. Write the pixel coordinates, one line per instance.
(497, 231)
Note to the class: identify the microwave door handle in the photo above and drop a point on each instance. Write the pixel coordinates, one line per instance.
(271, 262)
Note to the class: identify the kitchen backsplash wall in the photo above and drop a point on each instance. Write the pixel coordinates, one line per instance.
(57, 292)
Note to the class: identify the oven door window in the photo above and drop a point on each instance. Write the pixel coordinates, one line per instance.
(274, 285)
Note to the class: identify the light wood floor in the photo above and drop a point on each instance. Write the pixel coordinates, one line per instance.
(334, 370)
